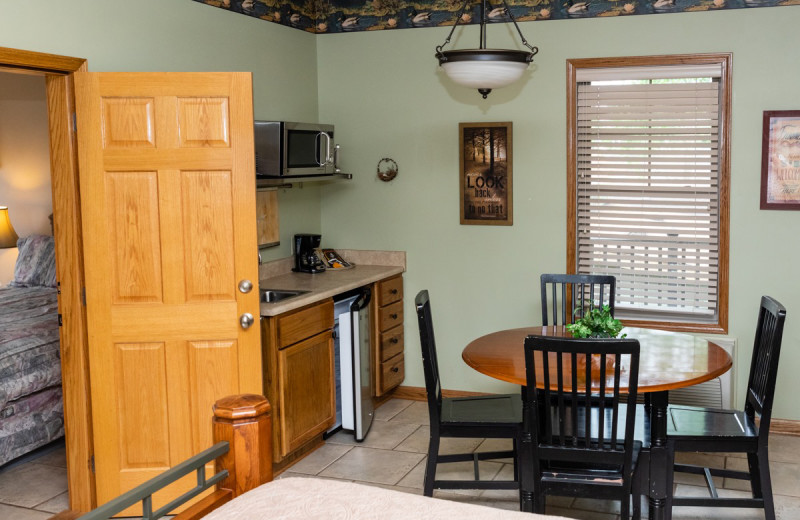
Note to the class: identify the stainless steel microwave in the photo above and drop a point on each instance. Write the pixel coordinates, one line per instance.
(295, 151)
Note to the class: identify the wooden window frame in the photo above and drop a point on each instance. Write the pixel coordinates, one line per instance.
(725, 61)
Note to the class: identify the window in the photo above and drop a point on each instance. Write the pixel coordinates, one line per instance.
(648, 177)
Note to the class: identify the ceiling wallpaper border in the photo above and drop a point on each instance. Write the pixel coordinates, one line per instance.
(335, 16)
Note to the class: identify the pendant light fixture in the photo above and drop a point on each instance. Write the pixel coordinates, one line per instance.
(482, 68)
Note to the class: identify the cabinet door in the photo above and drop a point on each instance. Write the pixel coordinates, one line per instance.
(306, 390)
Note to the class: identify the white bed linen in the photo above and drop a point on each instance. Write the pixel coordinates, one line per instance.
(318, 499)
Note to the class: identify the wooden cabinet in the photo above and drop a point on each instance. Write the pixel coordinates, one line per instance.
(267, 218)
(387, 335)
(306, 390)
(299, 375)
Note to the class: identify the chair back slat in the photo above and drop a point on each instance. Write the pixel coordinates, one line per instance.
(587, 399)
(562, 408)
(430, 363)
(572, 294)
(574, 393)
(548, 426)
(764, 363)
(581, 426)
(615, 404)
(602, 401)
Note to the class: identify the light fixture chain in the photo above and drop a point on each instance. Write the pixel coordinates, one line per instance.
(440, 48)
(534, 50)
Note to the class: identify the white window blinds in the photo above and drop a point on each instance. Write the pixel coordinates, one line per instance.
(648, 187)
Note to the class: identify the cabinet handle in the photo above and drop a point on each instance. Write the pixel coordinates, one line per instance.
(393, 316)
(393, 291)
(394, 341)
(395, 369)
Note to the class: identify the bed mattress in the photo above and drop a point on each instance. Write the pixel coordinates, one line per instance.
(29, 349)
(319, 499)
(30, 422)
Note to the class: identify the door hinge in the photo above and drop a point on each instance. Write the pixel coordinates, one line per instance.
(60, 320)
(83, 296)
(91, 463)
(74, 122)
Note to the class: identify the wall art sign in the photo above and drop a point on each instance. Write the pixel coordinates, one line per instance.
(780, 160)
(484, 181)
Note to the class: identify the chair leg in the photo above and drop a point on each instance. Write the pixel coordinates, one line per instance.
(430, 465)
(765, 488)
(625, 507)
(670, 484)
(636, 495)
(516, 456)
(539, 502)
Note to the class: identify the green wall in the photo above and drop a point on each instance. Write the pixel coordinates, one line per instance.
(387, 98)
(181, 35)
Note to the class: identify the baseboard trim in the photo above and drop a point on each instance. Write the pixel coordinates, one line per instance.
(785, 427)
(417, 393)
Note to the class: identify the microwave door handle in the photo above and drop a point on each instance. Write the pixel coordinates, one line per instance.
(317, 145)
(328, 157)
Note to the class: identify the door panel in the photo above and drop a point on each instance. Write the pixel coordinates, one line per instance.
(132, 202)
(128, 122)
(141, 375)
(168, 206)
(213, 371)
(208, 229)
(203, 122)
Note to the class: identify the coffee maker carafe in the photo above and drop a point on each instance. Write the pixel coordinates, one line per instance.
(305, 259)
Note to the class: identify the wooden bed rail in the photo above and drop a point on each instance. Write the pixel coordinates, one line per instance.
(244, 423)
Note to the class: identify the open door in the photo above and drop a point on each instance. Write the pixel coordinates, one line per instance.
(168, 208)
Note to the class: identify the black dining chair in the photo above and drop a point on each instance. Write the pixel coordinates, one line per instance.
(486, 416)
(694, 429)
(581, 445)
(580, 291)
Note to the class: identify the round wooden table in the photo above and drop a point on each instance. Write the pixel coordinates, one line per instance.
(667, 360)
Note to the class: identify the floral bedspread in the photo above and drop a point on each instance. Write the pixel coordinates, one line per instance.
(29, 422)
(29, 347)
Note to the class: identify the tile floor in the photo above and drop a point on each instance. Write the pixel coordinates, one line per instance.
(393, 456)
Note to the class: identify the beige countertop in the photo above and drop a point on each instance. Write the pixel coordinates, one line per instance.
(322, 285)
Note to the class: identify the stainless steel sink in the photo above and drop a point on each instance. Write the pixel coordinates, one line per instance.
(277, 295)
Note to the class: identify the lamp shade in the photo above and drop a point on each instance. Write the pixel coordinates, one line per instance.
(8, 237)
(484, 69)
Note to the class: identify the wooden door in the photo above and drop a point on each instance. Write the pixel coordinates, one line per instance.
(307, 391)
(168, 205)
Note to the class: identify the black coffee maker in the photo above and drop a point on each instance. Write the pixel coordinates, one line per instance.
(305, 259)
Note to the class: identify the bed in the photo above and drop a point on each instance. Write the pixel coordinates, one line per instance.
(243, 488)
(31, 408)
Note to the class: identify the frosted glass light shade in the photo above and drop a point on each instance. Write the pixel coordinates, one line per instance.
(8, 237)
(484, 69)
(484, 74)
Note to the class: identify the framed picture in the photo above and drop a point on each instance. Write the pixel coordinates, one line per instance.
(780, 160)
(484, 182)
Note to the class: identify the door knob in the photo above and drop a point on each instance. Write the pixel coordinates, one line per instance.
(246, 320)
(245, 286)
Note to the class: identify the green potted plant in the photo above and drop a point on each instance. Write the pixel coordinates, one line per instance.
(595, 323)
